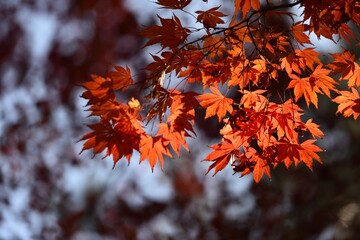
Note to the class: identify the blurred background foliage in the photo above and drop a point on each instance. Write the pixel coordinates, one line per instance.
(48, 191)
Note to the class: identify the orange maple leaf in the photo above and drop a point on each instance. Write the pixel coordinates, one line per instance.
(251, 161)
(354, 79)
(349, 103)
(153, 149)
(302, 86)
(214, 46)
(308, 153)
(321, 81)
(260, 168)
(163, 102)
(213, 74)
(221, 155)
(242, 73)
(175, 136)
(215, 104)
(318, 82)
(192, 74)
(308, 57)
(291, 64)
(345, 63)
(125, 138)
(284, 118)
(108, 110)
(299, 60)
(298, 30)
(253, 99)
(244, 6)
(313, 128)
(182, 112)
(288, 152)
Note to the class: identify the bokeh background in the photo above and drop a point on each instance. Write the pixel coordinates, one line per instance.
(49, 191)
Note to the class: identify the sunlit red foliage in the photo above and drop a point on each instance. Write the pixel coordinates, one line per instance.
(245, 58)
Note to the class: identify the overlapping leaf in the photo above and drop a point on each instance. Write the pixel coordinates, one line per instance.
(345, 64)
(261, 167)
(99, 90)
(349, 103)
(309, 87)
(254, 99)
(220, 155)
(215, 103)
(303, 87)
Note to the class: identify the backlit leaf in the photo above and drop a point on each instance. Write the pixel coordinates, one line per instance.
(215, 103)
(349, 103)
(121, 78)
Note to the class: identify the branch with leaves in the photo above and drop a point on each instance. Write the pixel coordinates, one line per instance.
(270, 69)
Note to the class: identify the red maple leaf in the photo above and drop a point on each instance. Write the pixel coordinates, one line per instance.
(119, 139)
(170, 34)
(210, 18)
(121, 78)
(173, 4)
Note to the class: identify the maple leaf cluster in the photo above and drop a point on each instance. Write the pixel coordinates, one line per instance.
(271, 70)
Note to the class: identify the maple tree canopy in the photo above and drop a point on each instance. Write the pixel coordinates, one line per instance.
(270, 69)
